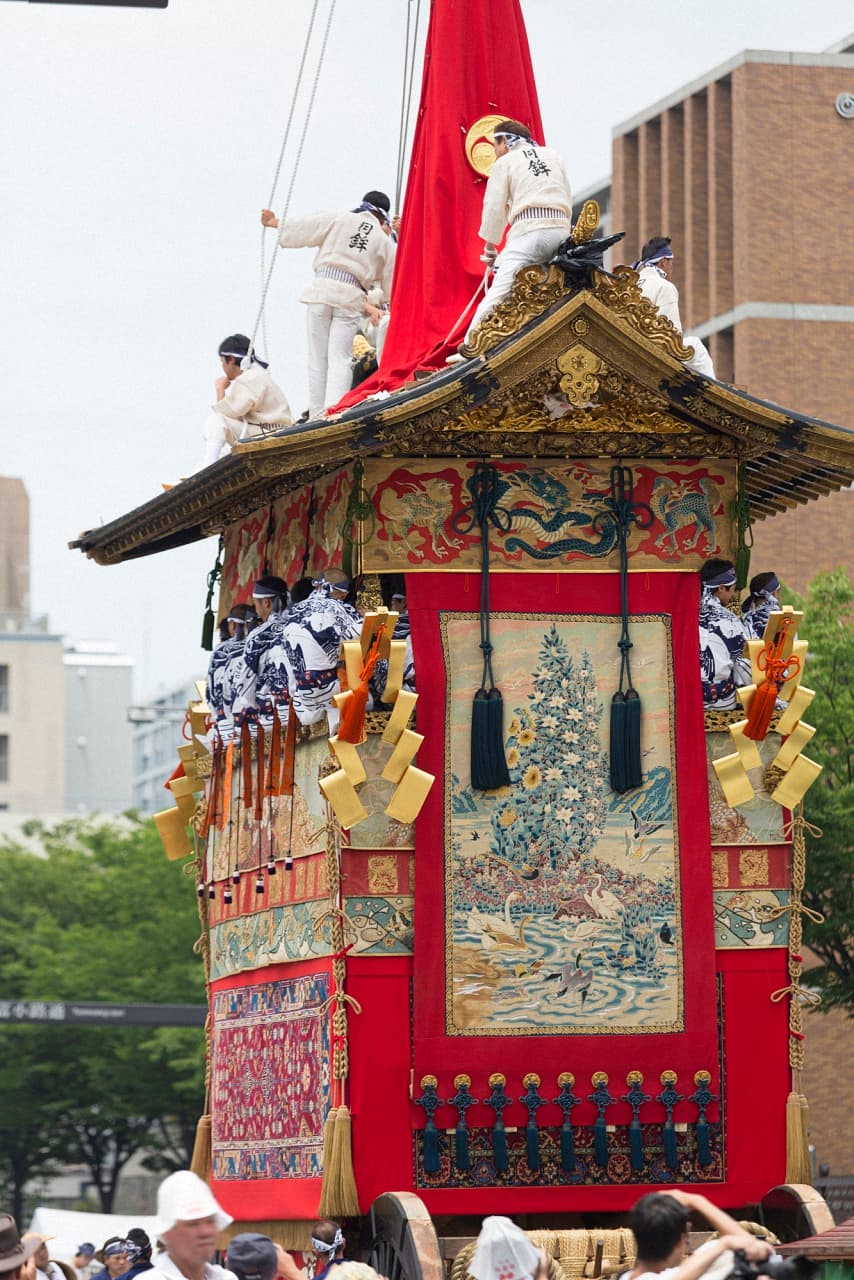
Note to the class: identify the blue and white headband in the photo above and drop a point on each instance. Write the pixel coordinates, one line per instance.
(726, 578)
(367, 207)
(323, 1246)
(510, 138)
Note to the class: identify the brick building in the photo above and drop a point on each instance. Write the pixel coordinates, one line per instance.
(749, 170)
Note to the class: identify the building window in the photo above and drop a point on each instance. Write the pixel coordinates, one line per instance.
(4, 757)
(4, 688)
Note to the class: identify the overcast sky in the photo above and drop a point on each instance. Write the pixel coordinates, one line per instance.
(138, 147)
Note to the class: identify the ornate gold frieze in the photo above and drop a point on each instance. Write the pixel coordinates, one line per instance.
(534, 291)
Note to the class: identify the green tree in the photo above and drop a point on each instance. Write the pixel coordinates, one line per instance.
(97, 913)
(829, 804)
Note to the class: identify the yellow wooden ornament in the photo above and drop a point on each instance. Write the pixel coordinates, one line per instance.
(794, 745)
(341, 794)
(411, 792)
(735, 783)
(796, 783)
(172, 828)
(402, 755)
(347, 754)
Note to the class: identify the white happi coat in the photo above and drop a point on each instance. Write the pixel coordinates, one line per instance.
(723, 667)
(664, 296)
(312, 640)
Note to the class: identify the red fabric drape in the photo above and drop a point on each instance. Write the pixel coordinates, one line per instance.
(476, 63)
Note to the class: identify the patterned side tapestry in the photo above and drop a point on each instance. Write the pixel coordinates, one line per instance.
(263, 1035)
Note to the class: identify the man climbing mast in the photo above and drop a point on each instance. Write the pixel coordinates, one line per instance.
(528, 188)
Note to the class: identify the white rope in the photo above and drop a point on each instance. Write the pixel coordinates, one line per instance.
(285, 138)
(465, 309)
(283, 215)
(406, 97)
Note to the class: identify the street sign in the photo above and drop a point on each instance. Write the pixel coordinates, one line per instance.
(48, 1012)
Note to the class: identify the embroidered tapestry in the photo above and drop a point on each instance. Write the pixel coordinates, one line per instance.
(264, 1034)
(563, 898)
(307, 523)
(549, 515)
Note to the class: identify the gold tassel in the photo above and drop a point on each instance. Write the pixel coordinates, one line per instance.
(201, 1161)
(327, 1195)
(342, 1177)
(798, 1167)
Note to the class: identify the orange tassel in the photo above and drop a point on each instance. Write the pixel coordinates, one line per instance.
(351, 727)
(274, 763)
(259, 775)
(286, 778)
(226, 785)
(246, 763)
(213, 788)
(761, 710)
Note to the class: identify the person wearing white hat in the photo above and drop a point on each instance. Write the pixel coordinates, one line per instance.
(504, 1252)
(189, 1221)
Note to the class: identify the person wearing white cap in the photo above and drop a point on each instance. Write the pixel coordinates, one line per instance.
(189, 1221)
(504, 1252)
(249, 404)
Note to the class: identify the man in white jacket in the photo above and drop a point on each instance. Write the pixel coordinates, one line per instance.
(248, 404)
(654, 271)
(189, 1223)
(528, 189)
(352, 271)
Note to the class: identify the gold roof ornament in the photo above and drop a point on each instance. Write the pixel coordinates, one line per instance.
(478, 144)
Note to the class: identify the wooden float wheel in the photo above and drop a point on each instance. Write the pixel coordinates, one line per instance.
(402, 1242)
(794, 1211)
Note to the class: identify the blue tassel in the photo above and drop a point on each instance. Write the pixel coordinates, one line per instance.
(636, 1144)
(461, 1146)
(704, 1143)
(462, 1100)
(532, 1144)
(600, 1142)
(671, 1159)
(567, 1148)
(499, 1146)
(430, 1147)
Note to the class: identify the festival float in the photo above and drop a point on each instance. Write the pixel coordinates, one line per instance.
(529, 942)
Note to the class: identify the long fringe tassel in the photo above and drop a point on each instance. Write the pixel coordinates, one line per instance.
(326, 1197)
(342, 1176)
(200, 1164)
(798, 1167)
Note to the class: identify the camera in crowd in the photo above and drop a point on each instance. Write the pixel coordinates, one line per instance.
(798, 1267)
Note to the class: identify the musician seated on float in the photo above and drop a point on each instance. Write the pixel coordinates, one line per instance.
(763, 600)
(723, 666)
(312, 636)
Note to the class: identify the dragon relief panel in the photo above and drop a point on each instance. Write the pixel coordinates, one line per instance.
(550, 512)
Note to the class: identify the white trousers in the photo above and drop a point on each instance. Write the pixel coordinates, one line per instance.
(701, 361)
(521, 251)
(221, 432)
(331, 331)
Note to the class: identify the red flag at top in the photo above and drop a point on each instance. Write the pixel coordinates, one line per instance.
(476, 65)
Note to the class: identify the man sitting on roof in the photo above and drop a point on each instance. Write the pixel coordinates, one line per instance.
(654, 269)
(249, 404)
(529, 189)
(352, 271)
